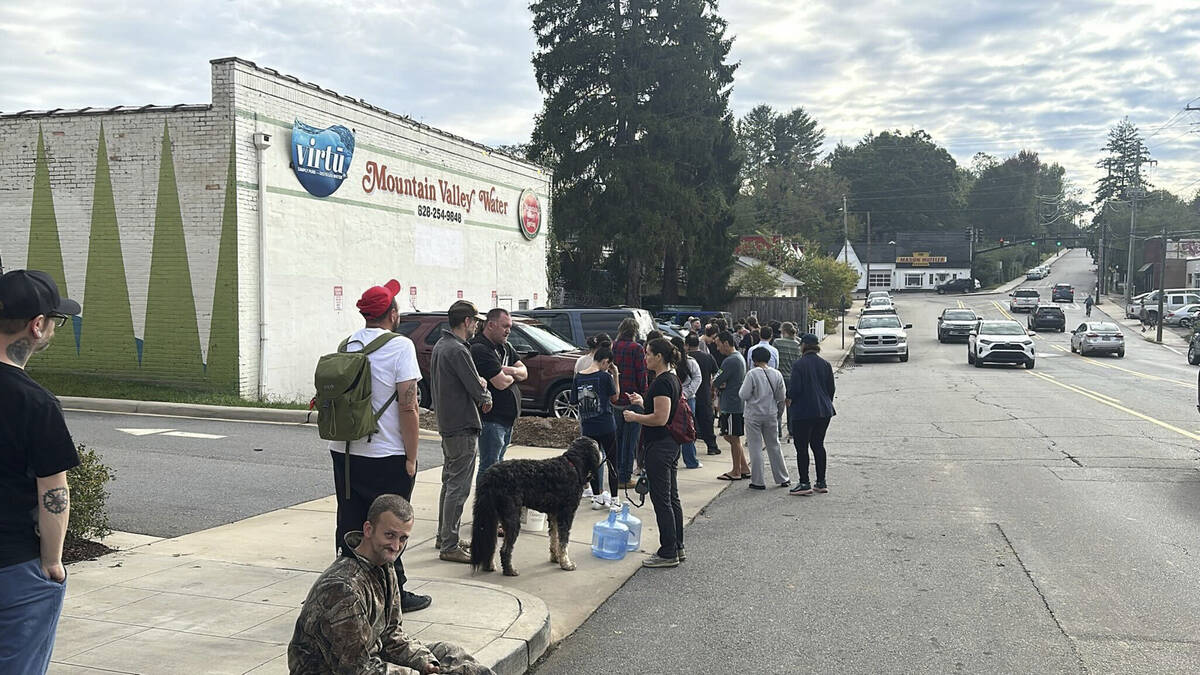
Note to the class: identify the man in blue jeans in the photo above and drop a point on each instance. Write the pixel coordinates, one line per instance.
(499, 364)
(36, 451)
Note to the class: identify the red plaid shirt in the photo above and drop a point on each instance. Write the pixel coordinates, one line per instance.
(630, 360)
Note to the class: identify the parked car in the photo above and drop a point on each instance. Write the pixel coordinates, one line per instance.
(956, 323)
(878, 294)
(1037, 273)
(1134, 309)
(960, 285)
(1063, 292)
(1184, 316)
(879, 303)
(1024, 300)
(1193, 355)
(1091, 337)
(1047, 316)
(1172, 300)
(577, 324)
(549, 359)
(1000, 342)
(880, 335)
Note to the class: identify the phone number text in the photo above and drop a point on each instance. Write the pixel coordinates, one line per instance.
(439, 214)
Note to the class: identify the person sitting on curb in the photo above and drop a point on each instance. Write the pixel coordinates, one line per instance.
(350, 622)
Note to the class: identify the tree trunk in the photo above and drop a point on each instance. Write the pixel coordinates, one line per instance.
(633, 283)
(670, 279)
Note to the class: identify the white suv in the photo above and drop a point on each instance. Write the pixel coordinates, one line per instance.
(1000, 342)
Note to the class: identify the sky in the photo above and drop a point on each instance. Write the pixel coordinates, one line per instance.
(992, 76)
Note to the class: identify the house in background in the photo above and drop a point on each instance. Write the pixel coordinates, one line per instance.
(789, 286)
(908, 261)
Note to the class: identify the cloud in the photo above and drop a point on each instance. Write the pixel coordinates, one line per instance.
(977, 75)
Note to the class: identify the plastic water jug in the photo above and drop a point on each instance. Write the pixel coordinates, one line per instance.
(609, 538)
(635, 527)
(532, 521)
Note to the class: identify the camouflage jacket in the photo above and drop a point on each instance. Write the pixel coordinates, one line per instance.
(351, 623)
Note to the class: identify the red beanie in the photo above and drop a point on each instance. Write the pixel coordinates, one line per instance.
(376, 300)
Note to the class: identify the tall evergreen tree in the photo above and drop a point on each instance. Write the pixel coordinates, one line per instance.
(636, 119)
(1125, 163)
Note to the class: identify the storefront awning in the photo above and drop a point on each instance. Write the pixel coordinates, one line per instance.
(1145, 267)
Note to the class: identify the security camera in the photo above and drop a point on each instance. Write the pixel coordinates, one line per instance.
(262, 141)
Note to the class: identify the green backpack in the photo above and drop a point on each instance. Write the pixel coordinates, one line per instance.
(343, 402)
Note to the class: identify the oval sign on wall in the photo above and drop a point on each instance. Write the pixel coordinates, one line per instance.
(529, 214)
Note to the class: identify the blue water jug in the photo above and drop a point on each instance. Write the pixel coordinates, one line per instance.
(635, 527)
(609, 538)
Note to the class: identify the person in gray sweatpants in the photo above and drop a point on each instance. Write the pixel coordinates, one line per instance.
(458, 395)
(764, 392)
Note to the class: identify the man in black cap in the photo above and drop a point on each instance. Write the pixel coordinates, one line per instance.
(36, 451)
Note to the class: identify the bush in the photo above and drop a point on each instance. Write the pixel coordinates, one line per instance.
(89, 494)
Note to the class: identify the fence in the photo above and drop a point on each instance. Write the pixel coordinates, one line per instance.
(771, 309)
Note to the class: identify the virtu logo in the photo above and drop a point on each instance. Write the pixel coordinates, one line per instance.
(321, 157)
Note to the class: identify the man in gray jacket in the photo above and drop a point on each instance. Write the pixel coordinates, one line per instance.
(764, 392)
(458, 395)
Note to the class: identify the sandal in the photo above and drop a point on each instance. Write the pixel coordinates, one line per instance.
(728, 476)
(745, 475)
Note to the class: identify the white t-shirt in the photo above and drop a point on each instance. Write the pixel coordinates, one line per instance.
(391, 364)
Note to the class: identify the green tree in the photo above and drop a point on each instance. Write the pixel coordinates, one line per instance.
(759, 280)
(1124, 163)
(1018, 198)
(636, 118)
(907, 182)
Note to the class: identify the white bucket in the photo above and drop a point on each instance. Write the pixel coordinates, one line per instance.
(532, 521)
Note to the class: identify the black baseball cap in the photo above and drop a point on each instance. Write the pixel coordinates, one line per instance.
(25, 294)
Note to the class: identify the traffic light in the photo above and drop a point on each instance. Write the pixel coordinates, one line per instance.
(1033, 243)
(1058, 243)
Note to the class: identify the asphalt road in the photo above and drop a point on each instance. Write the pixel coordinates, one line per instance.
(167, 484)
(980, 520)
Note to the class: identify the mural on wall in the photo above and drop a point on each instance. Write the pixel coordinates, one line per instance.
(105, 342)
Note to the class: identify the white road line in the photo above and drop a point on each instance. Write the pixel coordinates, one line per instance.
(144, 432)
(193, 434)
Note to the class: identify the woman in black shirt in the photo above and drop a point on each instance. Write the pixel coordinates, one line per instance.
(661, 450)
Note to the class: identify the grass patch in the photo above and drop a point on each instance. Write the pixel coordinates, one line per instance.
(93, 386)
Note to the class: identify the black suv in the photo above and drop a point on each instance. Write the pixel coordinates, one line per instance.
(961, 285)
(1047, 316)
(576, 324)
(1064, 292)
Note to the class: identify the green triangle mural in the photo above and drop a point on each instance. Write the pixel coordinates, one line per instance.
(106, 342)
(45, 253)
(172, 339)
(222, 368)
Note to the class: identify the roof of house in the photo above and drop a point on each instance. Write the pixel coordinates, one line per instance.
(952, 245)
(786, 279)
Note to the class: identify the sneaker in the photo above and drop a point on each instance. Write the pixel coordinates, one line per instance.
(456, 554)
(411, 602)
(599, 503)
(655, 561)
(699, 465)
(587, 492)
(803, 488)
(681, 555)
(786, 483)
(757, 487)
(714, 451)
(821, 487)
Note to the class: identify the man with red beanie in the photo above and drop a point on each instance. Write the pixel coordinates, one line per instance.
(386, 461)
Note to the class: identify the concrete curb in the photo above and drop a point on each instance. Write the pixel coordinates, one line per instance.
(229, 412)
(526, 639)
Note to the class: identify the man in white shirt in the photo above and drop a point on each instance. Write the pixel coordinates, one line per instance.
(385, 461)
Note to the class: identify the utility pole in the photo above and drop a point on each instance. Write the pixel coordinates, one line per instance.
(1100, 265)
(1135, 193)
(1162, 281)
(868, 286)
(845, 232)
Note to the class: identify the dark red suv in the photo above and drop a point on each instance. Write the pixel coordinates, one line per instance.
(549, 359)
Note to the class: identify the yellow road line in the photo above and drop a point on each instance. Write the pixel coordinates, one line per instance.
(961, 305)
(1110, 403)
(1059, 348)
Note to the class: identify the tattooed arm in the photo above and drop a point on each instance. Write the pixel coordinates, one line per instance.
(54, 508)
(406, 401)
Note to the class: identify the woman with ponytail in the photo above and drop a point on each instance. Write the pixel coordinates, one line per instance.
(688, 372)
(660, 449)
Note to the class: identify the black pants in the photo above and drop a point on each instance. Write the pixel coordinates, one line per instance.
(704, 423)
(810, 433)
(661, 459)
(607, 443)
(369, 478)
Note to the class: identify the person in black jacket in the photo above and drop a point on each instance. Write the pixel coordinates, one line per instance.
(810, 406)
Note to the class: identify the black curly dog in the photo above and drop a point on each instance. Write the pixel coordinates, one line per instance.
(553, 486)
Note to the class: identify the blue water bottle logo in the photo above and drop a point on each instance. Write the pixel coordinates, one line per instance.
(321, 157)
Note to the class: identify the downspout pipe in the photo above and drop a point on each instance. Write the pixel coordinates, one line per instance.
(262, 141)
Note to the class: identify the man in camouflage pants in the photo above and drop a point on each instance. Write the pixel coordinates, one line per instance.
(333, 635)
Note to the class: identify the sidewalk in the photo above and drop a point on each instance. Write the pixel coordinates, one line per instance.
(225, 600)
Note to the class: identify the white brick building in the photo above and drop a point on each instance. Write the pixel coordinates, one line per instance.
(159, 235)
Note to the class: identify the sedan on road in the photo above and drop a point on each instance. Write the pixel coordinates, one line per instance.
(1000, 342)
(1092, 337)
(956, 323)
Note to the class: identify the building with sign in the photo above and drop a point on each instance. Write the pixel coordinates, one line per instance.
(908, 260)
(224, 245)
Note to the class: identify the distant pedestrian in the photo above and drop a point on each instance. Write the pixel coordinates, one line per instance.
(1087, 303)
(733, 425)
(690, 377)
(810, 399)
(661, 452)
(764, 392)
(459, 393)
(630, 358)
(751, 337)
(789, 352)
(764, 341)
(595, 388)
(36, 450)
(704, 394)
